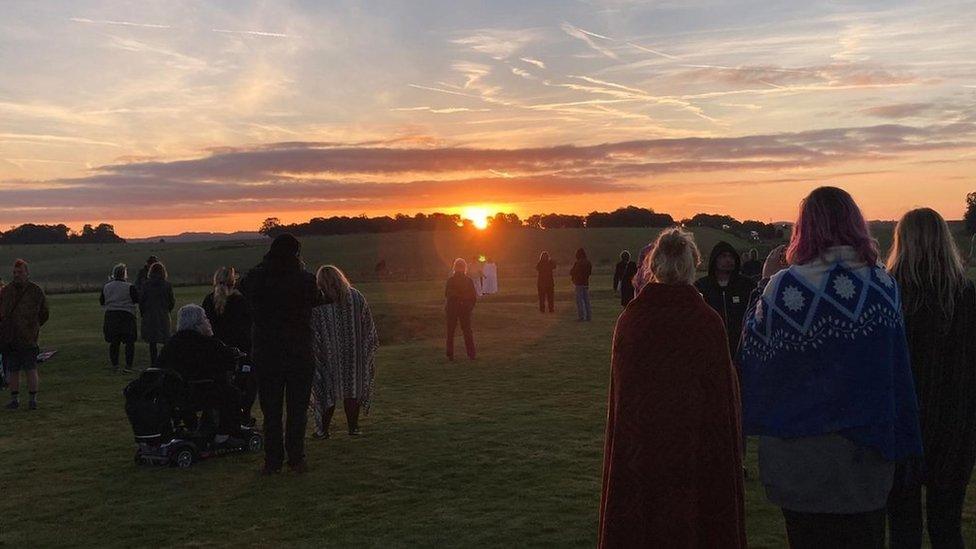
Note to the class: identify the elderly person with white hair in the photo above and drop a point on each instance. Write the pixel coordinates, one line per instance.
(672, 463)
(195, 354)
(461, 297)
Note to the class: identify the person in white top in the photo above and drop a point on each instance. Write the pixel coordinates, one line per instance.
(490, 271)
(119, 299)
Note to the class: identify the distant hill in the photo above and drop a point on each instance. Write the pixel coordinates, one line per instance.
(202, 237)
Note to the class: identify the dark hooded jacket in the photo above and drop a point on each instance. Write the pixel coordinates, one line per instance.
(281, 295)
(730, 301)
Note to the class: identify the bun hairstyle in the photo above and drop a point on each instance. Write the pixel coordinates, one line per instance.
(675, 257)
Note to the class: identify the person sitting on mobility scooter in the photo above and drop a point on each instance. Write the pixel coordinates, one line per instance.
(207, 366)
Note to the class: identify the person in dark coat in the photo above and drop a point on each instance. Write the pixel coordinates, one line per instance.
(228, 313)
(156, 302)
(751, 265)
(120, 299)
(143, 275)
(623, 278)
(281, 294)
(726, 290)
(580, 274)
(206, 365)
(461, 297)
(672, 460)
(939, 304)
(546, 283)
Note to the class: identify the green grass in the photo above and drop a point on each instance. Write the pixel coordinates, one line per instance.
(505, 451)
(409, 255)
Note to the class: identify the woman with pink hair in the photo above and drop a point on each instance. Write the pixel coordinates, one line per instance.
(826, 380)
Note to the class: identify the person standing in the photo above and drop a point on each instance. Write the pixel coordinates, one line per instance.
(546, 283)
(580, 274)
(490, 273)
(23, 310)
(281, 295)
(826, 380)
(143, 275)
(939, 303)
(623, 278)
(344, 345)
(156, 302)
(726, 290)
(230, 319)
(461, 298)
(120, 299)
(672, 382)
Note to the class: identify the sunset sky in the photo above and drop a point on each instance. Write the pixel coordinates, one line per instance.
(170, 116)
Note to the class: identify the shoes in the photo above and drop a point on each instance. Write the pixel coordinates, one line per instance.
(355, 432)
(12, 405)
(125, 370)
(267, 470)
(299, 468)
(32, 405)
(320, 435)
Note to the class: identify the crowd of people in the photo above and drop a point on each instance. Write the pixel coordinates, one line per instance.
(858, 378)
(857, 375)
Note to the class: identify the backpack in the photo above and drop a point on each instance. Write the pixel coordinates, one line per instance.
(150, 403)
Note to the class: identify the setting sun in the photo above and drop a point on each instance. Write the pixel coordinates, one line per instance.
(478, 215)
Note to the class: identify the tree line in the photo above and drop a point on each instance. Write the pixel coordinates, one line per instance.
(31, 233)
(630, 216)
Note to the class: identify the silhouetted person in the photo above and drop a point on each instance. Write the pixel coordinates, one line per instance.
(23, 310)
(282, 294)
(623, 278)
(546, 283)
(230, 317)
(156, 302)
(580, 274)
(726, 290)
(461, 297)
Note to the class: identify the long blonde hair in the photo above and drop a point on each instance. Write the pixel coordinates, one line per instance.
(333, 283)
(223, 287)
(924, 259)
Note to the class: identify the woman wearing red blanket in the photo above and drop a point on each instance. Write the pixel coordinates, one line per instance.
(672, 465)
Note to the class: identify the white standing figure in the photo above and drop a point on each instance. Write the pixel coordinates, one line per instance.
(491, 278)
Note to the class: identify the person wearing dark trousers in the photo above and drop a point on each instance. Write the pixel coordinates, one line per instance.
(623, 278)
(230, 318)
(461, 297)
(726, 290)
(120, 299)
(939, 304)
(281, 294)
(580, 274)
(546, 283)
(156, 302)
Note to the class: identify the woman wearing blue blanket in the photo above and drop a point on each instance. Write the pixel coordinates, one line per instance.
(826, 379)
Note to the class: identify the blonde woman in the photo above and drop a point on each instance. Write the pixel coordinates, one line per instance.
(672, 382)
(939, 304)
(344, 346)
(230, 318)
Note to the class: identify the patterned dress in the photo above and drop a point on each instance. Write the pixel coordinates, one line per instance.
(344, 346)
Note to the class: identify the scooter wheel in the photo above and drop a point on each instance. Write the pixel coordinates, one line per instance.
(255, 443)
(184, 458)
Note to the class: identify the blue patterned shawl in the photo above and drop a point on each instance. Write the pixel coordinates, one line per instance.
(824, 351)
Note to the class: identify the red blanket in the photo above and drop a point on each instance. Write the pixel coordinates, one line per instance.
(672, 465)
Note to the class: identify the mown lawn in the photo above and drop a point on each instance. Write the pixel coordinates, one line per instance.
(503, 451)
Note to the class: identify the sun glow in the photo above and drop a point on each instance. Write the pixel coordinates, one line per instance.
(478, 215)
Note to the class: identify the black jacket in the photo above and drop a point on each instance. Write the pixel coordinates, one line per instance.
(281, 295)
(233, 327)
(623, 275)
(195, 357)
(943, 354)
(730, 301)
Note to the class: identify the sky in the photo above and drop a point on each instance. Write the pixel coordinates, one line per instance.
(168, 116)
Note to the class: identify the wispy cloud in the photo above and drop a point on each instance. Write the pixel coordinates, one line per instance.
(532, 61)
(498, 43)
(118, 23)
(587, 38)
(263, 34)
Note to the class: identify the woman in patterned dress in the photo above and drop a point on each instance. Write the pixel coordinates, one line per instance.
(344, 346)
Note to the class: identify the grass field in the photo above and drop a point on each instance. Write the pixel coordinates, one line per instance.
(409, 255)
(503, 451)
